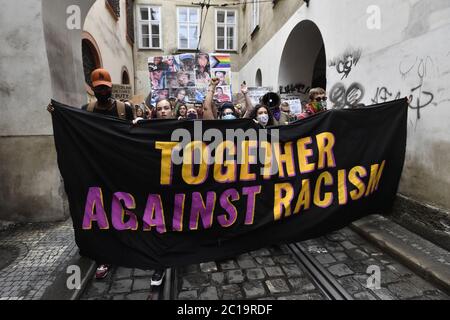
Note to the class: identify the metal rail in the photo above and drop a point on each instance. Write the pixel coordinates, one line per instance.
(324, 280)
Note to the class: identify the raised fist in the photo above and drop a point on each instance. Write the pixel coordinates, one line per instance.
(215, 82)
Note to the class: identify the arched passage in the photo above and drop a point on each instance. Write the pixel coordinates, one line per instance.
(258, 78)
(125, 76)
(303, 61)
(91, 56)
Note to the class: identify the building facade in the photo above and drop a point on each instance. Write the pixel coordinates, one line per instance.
(108, 41)
(182, 26)
(366, 52)
(42, 59)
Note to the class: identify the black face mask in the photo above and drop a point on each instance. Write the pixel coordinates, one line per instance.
(103, 98)
(191, 116)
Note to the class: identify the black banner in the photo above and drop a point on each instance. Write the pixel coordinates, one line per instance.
(170, 193)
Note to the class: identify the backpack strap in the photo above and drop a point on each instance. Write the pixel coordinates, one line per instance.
(91, 106)
(121, 111)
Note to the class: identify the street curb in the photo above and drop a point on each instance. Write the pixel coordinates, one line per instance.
(422, 256)
(58, 289)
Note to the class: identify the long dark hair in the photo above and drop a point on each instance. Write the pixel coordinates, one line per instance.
(254, 113)
(154, 114)
(227, 105)
(178, 110)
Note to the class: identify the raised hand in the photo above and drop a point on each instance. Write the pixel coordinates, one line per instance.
(244, 88)
(214, 82)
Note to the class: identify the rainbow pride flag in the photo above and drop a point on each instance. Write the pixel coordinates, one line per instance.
(221, 61)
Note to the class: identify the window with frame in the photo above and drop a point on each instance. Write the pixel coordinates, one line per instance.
(115, 7)
(226, 30)
(130, 20)
(255, 16)
(149, 27)
(188, 27)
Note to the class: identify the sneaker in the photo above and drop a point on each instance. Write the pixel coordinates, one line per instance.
(158, 277)
(102, 271)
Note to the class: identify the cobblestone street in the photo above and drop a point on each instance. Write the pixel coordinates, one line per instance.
(274, 273)
(34, 255)
(41, 253)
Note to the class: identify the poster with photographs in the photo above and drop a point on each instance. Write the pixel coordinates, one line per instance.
(188, 75)
(295, 106)
(256, 93)
(223, 94)
(221, 68)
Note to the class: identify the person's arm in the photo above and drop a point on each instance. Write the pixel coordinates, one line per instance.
(248, 102)
(209, 111)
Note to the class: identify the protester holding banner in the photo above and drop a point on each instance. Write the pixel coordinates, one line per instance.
(317, 103)
(105, 104)
(262, 115)
(163, 110)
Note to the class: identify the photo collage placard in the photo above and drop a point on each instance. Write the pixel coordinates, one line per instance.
(186, 76)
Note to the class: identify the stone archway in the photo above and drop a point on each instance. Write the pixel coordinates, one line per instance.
(303, 61)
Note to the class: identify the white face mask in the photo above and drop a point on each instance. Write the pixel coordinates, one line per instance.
(324, 105)
(263, 119)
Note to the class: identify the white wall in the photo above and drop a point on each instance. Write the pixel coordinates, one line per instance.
(410, 54)
(40, 59)
(110, 36)
(25, 86)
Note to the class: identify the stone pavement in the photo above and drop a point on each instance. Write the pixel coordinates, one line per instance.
(35, 255)
(120, 284)
(427, 259)
(269, 273)
(347, 256)
(272, 273)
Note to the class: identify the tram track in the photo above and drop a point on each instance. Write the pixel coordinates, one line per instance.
(318, 275)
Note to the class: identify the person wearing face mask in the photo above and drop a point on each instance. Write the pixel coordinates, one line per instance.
(317, 103)
(191, 113)
(262, 115)
(105, 104)
(228, 112)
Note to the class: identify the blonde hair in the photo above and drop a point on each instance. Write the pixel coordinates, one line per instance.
(315, 92)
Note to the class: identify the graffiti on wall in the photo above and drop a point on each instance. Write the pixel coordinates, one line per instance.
(294, 88)
(419, 97)
(346, 62)
(341, 97)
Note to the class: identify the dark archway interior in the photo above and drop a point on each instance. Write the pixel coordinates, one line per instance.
(125, 77)
(91, 60)
(258, 78)
(303, 61)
